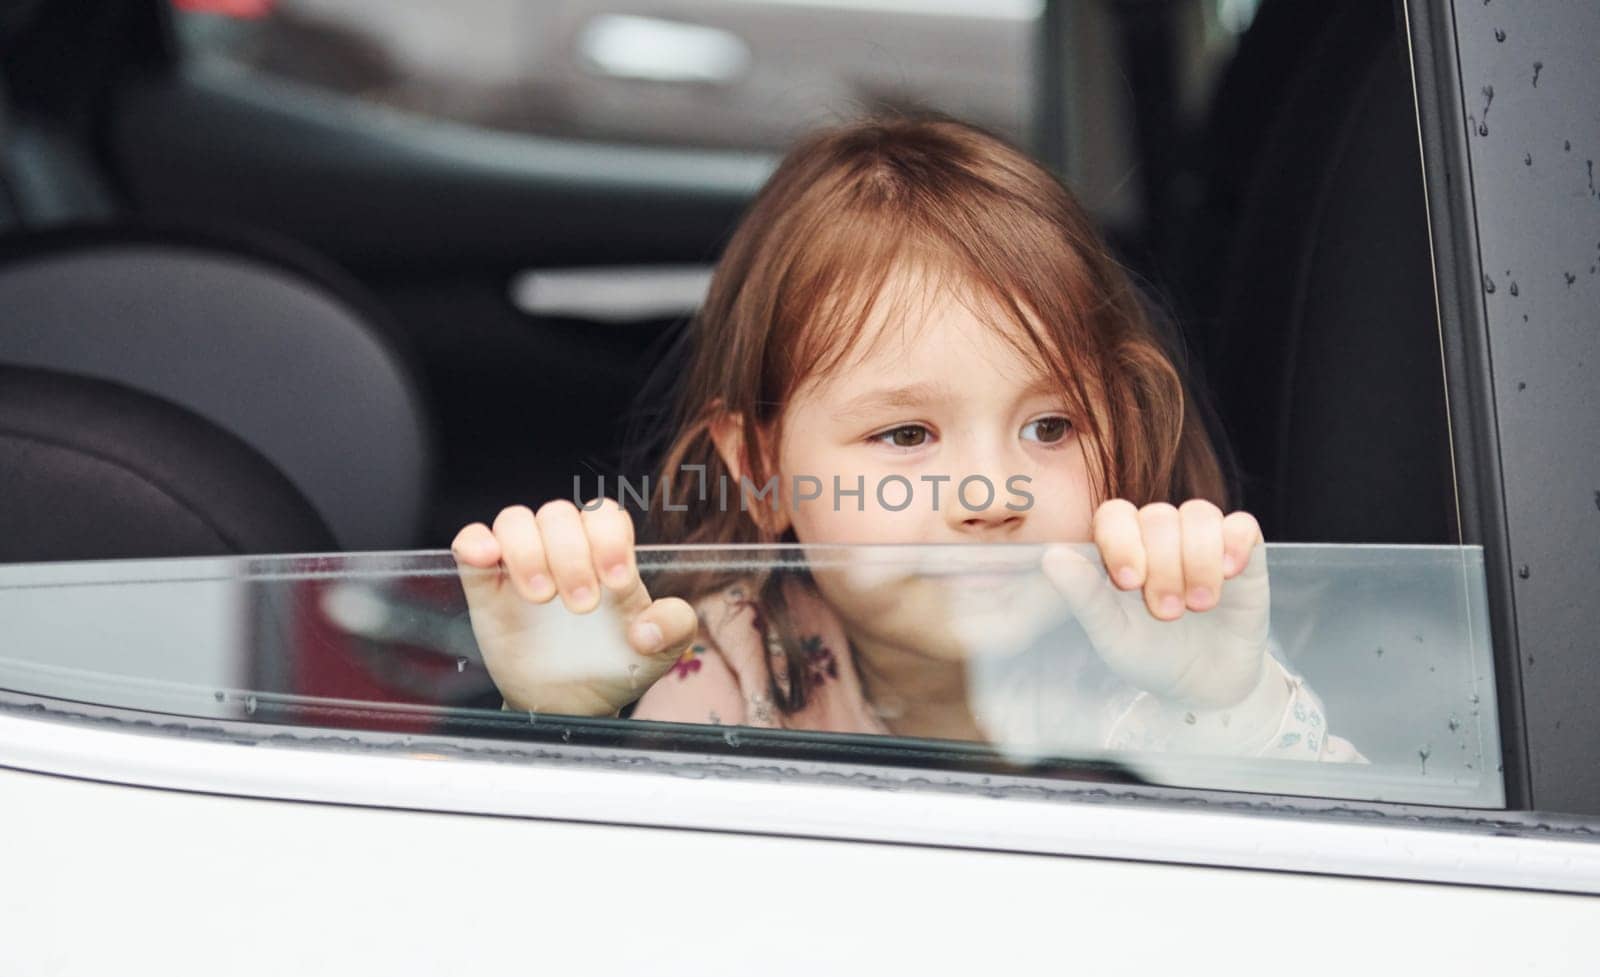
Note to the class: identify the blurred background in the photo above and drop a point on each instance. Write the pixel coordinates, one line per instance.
(514, 208)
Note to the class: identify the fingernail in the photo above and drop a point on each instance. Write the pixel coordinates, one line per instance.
(1171, 605)
(1200, 597)
(1127, 579)
(617, 575)
(581, 596)
(647, 637)
(541, 586)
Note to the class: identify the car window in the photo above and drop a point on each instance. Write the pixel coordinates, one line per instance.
(1391, 640)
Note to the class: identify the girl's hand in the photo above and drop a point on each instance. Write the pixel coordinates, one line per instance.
(1190, 623)
(545, 661)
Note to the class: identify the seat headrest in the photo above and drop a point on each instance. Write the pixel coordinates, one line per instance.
(292, 360)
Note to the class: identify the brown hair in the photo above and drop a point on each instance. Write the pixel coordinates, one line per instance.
(847, 207)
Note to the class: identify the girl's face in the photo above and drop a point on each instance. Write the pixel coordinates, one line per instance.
(939, 400)
(934, 403)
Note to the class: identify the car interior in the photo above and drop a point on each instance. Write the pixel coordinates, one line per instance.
(247, 318)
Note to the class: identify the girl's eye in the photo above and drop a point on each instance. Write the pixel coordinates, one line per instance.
(904, 436)
(1047, 430)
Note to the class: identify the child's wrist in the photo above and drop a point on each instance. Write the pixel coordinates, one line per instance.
(1245, 727)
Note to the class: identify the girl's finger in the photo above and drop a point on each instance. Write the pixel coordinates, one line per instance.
(1202, 554)
(1240, 536)
(518, 537)
(610, 532)
(1117, 534)
(477, 556)
(566, 550)
(665, 628)
(475, 546)
(1095, 606)
(1162, 531)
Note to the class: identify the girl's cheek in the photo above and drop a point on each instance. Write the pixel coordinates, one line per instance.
(1062, 504)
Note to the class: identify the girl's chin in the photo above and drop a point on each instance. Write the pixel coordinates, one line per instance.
(958, 617)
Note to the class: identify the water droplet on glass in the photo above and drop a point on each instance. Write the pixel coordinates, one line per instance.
(1188, 717)
(1527, 159)
(461, 664)
(1522, 384)
(250, 705)
(731, 737)
(1483, 128)
(1514, 290)
(222, 697)
(1567, 145)
(1380, 652)
(1424, 753)
(566, 736)
(1488, 284)
(1454, 724)
(1538, 66)
(1499, 35)
(1474, 699)
(1570, 277)
(1524, 572)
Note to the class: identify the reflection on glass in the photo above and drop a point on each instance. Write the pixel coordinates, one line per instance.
(966, 657)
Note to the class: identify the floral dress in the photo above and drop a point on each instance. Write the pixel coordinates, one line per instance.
(726, 677)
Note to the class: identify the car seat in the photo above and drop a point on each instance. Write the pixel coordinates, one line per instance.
(1325, 347)
(95, 470)
(260, 341)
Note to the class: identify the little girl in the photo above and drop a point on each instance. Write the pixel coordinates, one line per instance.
(915, 336)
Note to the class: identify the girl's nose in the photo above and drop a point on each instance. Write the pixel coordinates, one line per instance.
(994, 522)
(978, 507)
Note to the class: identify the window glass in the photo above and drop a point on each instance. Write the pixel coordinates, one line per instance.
(1384, 646)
